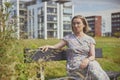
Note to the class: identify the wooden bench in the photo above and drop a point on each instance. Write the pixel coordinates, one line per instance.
(58, 55)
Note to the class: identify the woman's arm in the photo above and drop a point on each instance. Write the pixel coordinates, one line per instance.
(59, 45)
(90, 58)
(92, 52)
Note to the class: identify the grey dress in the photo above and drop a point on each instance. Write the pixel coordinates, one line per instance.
(79, 50)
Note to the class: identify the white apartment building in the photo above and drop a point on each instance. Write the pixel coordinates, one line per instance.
(2, 3)
(49, 19)
(19, 16)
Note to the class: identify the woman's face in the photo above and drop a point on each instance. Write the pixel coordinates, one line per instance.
(77, 25)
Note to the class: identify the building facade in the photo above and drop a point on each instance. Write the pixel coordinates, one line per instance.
(19, 16)
(49, 19)
(0, 4)
(106, 20)
(4, 9)
(95, 23)
(115, 24)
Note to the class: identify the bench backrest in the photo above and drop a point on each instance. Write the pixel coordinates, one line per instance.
(51, 54)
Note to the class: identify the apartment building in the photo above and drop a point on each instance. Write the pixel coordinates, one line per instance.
(106, 20)
(4, 24)
(19, 16)
(49, 19)
(0, 4)
(95, 23)
(0, 11)
(115, 24)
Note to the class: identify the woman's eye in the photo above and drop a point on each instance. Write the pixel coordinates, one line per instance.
(78, 23)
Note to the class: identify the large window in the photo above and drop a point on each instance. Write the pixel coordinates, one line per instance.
(21, 12)
(67, 18)
(51, 10)
(51, 34)
(67, 27)
(67, 11)
(51, 18)
(66, 33)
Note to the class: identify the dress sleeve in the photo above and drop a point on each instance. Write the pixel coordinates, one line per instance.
(93, 41)
(66, 38)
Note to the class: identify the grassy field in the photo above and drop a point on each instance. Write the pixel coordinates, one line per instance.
(109, 62)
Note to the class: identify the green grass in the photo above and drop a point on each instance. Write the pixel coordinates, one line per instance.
(109, 62)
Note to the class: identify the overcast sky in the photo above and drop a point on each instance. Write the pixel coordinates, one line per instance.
(95, 5)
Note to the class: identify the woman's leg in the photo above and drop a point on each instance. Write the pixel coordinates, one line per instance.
(96, 71)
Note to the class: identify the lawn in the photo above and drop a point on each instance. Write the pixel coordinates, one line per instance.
(12, 66)
(109, 62)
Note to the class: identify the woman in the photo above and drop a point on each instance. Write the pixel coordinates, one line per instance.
(81, 62)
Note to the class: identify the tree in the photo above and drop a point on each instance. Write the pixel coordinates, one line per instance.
(6, 42)
(117, 34)
(12, 66)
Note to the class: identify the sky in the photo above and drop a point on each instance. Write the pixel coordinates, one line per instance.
(95, 5)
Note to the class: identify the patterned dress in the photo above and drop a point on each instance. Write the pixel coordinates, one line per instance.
(79, 50)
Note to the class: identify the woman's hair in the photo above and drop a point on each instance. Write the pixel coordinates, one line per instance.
(86, 28)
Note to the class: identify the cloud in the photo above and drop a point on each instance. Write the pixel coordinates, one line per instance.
(95, 1)
(25, 0)
(95, 5)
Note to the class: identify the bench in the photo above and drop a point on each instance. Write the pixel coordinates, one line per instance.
(58, 55)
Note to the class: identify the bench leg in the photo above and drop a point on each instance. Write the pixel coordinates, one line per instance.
(40, 73)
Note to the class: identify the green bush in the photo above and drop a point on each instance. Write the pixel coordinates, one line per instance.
(117, 34)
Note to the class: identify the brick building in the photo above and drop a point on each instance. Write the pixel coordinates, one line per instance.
(115, 24)
(95, 23)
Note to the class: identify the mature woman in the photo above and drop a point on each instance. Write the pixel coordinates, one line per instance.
(81, 61)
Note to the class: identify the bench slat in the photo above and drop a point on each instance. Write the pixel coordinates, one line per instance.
(54, 55)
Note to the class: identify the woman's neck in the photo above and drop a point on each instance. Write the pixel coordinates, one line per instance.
(80, 34)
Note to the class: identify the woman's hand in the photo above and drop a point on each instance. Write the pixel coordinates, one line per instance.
(59, 45)
(84, 63)
(45, 48)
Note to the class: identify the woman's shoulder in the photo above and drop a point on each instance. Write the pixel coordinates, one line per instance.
(68, 36)
(90, 39)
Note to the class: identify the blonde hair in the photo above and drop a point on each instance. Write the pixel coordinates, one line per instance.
(86, 28)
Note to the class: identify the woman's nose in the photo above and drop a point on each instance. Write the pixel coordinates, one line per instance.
(75, 25)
